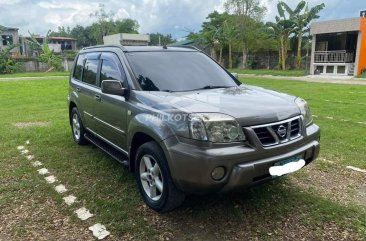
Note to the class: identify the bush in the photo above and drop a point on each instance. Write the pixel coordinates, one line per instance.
(252, 64)
(7, 64)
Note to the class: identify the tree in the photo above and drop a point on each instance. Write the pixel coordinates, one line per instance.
(214, 29)
(157, 39)
(212, 33)
(302, 16)
(282, 29)
(47, 55)
(7, 64)
(250, 8)
(247, 14)
(126, 25)
(230, 34)
(83, 36)
(61, 32)
(105, 25)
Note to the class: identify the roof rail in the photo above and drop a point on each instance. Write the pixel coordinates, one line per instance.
(189, 47)
(106, 46)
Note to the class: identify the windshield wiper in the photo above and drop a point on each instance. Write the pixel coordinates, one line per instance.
(210, 87)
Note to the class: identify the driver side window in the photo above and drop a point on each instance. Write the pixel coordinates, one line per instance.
(109, 71)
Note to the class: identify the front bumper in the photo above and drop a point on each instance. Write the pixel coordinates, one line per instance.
(191, 166)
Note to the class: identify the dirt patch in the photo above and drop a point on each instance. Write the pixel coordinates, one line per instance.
(32, 220)
(22, 125)
(332, 181)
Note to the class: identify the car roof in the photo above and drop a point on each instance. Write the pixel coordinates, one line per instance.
(143, 48)
(156, 49)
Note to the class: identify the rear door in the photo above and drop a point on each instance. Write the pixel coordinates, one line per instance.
(111, 110)
(85, 86)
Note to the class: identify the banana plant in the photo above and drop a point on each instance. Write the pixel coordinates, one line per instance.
(301, 16)
(282, 29)
(47, 55)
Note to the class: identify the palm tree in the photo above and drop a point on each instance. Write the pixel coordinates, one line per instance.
(230, 34)
(301, 17)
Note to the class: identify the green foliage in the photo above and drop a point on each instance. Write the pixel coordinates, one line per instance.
(281, 30)
(83, 36)
(164, 39)
(69, 54)
(7, 64)
(252, 9)
(106, 25)
(47, 55)
(61, 32)
(237, 29)
(126, 25)
(213, 34)
(301, 17)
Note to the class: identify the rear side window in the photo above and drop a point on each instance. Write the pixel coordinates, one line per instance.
(109, 71)
(79, 67)
(90, 72)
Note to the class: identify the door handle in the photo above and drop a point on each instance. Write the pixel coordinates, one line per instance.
(97, 98)
(78, 89)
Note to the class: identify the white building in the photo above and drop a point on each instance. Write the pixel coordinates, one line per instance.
(127, 39)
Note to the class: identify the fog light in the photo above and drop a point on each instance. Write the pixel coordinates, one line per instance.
(218, 173)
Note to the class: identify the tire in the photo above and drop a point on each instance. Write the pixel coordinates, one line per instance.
(155, 183)
(77, 127)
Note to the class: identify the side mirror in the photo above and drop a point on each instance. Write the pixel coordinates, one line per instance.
(113, 87)
(236, 75)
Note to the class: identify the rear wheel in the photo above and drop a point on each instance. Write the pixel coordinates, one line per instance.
(77, 127)
(154, 180)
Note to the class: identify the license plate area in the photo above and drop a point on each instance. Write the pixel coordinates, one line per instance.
(288, 160)
(287, 166)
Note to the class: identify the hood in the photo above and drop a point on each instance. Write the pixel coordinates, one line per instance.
(249, 105)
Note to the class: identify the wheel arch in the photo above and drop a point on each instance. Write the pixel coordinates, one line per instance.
(72, 105)
(142, 129)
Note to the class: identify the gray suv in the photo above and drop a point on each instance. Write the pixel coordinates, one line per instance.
(183, 124)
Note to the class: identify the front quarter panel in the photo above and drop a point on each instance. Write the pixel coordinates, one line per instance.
(151, 125)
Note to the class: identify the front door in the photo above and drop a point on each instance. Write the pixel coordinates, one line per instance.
(110, 110)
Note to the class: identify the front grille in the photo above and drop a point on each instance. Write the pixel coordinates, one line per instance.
(280, 132)
(264, 136)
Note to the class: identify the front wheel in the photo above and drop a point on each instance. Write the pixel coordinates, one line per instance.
(153, 179)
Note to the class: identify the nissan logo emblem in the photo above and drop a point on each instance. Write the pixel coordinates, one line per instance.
(282, 131)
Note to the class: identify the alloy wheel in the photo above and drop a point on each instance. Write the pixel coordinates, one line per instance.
(151, 177)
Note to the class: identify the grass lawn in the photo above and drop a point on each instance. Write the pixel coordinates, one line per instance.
(269, 72)
(36, 74)
(319, 202)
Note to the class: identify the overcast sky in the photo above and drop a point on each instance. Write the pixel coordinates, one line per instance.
(165, 16)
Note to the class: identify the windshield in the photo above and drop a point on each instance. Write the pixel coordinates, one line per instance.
(177, 71)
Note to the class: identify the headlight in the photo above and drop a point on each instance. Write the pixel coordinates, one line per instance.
(215, 127)
(305, 111)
